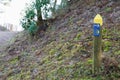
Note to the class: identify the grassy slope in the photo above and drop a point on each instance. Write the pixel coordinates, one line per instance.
(65, 50)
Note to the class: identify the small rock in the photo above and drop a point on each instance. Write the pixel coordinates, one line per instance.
(37, 52)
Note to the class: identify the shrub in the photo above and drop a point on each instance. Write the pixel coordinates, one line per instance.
(28, 22)
(40, 9)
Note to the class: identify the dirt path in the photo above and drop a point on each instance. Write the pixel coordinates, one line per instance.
(6, 36)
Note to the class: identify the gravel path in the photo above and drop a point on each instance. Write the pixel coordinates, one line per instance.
(6, 36)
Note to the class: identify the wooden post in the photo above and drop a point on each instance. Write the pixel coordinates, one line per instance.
(97, 31)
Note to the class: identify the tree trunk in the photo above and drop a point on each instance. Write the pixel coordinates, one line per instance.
(39, 18)
(41, 24)
(38, 9)
(54, 7)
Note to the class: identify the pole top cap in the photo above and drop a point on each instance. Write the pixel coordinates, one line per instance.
(98, 19)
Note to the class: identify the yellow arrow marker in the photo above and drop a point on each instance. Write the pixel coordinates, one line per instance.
(98, 19)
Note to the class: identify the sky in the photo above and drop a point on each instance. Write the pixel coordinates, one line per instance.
(12, 12)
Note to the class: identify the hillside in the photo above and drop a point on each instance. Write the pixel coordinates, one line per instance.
(64, 51)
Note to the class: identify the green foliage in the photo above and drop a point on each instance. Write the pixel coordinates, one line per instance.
(108, 9)
(28, 22)
(14, 60)
(89, 61)
(35, 10)
(117, 52)
(33, 28)
(22, 75)
(107, 45)
(78, 36)
(38, 4)
(106, 33)
(52, 51)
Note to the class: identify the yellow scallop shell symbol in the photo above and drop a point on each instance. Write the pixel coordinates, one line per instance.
(98, 19)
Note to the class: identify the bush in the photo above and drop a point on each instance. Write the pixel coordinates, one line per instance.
(32, 28)
(28, 22)
(40, 9)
